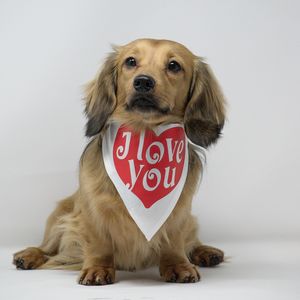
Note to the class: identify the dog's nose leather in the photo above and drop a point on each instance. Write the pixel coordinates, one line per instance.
(143, 83)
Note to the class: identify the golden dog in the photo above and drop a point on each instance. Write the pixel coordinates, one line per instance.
(142, 84)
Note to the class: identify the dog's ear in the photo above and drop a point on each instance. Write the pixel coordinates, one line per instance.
(205, 111)
(100, 96)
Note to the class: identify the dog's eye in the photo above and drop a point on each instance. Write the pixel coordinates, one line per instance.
(174, 66)
(130, 62)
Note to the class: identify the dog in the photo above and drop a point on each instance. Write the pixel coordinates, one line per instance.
(143, 84)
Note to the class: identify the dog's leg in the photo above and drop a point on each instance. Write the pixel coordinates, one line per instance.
(29, 258)
(206, 256)
(174, 265)
(200, 255)
(33, 257)
(98, 265)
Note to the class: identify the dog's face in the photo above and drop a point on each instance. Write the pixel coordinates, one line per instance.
(153, 82)
(150, 82)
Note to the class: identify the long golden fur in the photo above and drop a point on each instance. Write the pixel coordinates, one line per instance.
(91, 230)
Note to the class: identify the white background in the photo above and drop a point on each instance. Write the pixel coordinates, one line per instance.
(49, 49)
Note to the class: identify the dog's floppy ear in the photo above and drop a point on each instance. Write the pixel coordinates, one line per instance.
(205, 111)
(100, 96)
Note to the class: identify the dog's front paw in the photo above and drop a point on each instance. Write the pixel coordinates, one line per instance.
(206, 256)
(97, 276)
(183, 272)
(30, 258)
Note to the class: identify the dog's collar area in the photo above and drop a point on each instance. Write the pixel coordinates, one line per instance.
(198, 149)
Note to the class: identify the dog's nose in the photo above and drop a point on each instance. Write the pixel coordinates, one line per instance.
(143, 83)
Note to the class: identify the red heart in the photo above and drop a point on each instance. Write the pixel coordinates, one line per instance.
(135, 162)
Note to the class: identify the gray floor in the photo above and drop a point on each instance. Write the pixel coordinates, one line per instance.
(255, 270)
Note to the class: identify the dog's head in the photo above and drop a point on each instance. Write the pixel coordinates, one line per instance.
(150, 82)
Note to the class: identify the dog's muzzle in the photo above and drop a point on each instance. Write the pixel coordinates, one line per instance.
(145, 103)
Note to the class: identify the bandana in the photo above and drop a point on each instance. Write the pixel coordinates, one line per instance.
(148, 169)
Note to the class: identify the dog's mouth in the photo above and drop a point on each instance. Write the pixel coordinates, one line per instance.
(145, 104)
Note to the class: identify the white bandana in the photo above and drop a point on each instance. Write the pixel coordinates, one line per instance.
(148, 169)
